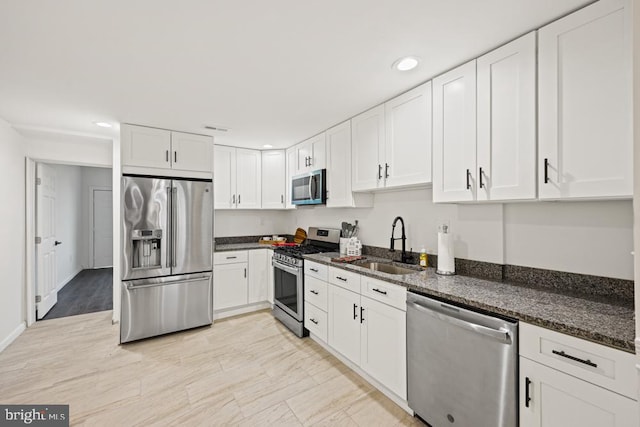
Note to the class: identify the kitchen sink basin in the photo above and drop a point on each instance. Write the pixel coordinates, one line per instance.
(386, 268)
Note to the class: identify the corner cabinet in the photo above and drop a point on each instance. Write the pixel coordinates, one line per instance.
(146, 147)
(237, 178)
(391, 143)
(273, 179)
(585, 104)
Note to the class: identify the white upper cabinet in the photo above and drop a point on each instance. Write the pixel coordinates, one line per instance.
(273, 179)
(248, 179)
(454, 134)
(506, 151)
(367, 142)
(163, 149)
(292, 162)
(311, 154)
(191, 152)
(407, 153)
(585, 106)
(237, 178)
(339, 170)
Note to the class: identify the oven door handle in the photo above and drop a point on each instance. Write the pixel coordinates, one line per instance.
(288, 269)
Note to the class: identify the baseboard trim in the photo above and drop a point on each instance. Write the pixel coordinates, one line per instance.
(355, 368)
(12, 336)
(68, 279)
(250, 308)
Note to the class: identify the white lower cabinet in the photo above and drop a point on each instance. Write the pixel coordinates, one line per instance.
(270, 289)
(258, 276)
(242, 278)
(370, 334)
(229, 285)
(551, 398)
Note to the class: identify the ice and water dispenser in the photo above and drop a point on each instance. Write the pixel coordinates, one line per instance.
(146, 248)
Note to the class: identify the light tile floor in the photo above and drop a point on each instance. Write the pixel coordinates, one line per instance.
(248, 370)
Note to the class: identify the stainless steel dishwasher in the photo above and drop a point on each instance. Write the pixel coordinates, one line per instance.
(462, 365)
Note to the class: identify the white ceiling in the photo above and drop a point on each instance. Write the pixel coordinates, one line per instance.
(274, 71)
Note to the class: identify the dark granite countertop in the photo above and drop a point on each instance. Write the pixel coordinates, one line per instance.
(225, 247)
(596, 319)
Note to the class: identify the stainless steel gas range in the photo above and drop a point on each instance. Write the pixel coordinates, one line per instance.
(288, 263)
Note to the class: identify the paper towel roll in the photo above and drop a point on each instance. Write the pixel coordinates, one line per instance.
(446, 260)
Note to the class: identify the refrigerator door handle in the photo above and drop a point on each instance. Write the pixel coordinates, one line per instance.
(174, 228)
(169, 243)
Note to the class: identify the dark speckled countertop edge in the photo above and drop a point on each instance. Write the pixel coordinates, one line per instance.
(613, 327)
(226, 247)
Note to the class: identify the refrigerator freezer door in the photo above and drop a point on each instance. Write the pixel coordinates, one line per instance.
(145, 227)
(162, 305)
(192, 226)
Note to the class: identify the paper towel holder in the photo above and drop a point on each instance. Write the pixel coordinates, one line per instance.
(445, 230)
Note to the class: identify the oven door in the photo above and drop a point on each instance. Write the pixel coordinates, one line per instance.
(288, 291)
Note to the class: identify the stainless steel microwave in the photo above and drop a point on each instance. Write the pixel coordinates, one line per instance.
(309, 188)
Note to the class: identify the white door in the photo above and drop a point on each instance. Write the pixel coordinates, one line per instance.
(248, 179)
(454, 134)
(561, 400)
(585, 107)
(367, 148)
(344, 322)
(224, 177)
(46, 270)
(339, 166)
(383, 352)
(102, 228)
(191, 152)
(507, 122)
(318, 151)
(258, 276)
(407, 159)
(291, 154)
(146, 147)
(273, 179)
(230, 285)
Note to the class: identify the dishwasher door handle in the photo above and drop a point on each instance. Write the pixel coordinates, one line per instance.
(501, 334)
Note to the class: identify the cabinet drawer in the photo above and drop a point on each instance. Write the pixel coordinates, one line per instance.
(388, 293)
(604, 366)
(315, 320)
(344, 279)
(313, 269)
(315, 292)
(230, 257)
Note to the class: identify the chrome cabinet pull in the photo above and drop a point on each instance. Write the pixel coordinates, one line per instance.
(587, 362)
(379, 291)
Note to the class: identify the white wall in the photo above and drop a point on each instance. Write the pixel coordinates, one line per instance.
(251, 223)
(68, 149)
(69, 229)
(12, 232)
(580, 237)
(91, 177)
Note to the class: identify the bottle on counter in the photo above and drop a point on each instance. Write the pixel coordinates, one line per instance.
(423, 258)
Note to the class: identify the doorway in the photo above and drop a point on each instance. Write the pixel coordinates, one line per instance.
(74, 240)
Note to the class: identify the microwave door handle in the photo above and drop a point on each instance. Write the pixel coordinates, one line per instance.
(313, 188)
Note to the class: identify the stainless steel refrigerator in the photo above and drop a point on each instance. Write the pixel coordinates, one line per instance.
(167, 238)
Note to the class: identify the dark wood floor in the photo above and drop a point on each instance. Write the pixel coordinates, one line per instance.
(89, 291)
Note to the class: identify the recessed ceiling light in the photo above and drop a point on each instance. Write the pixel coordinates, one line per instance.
(103, 124)
(267, 146)
(405, 64)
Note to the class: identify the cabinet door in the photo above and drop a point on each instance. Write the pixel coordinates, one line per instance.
(339, 166)
(318, 150)
(291, 154)
(224, 177)
(454, 134)
(383, 352)
(258, 275)
(248, 179)
(191, 152)
(585, 106)
(146, 147)
(273, 179)
(303, 154)
(367, 146)
(507, 122)
(561, 400)
(229, 286)
(270, 290)
(407, 159)
(344, 322)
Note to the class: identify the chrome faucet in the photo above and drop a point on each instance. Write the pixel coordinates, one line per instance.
(404, 256)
